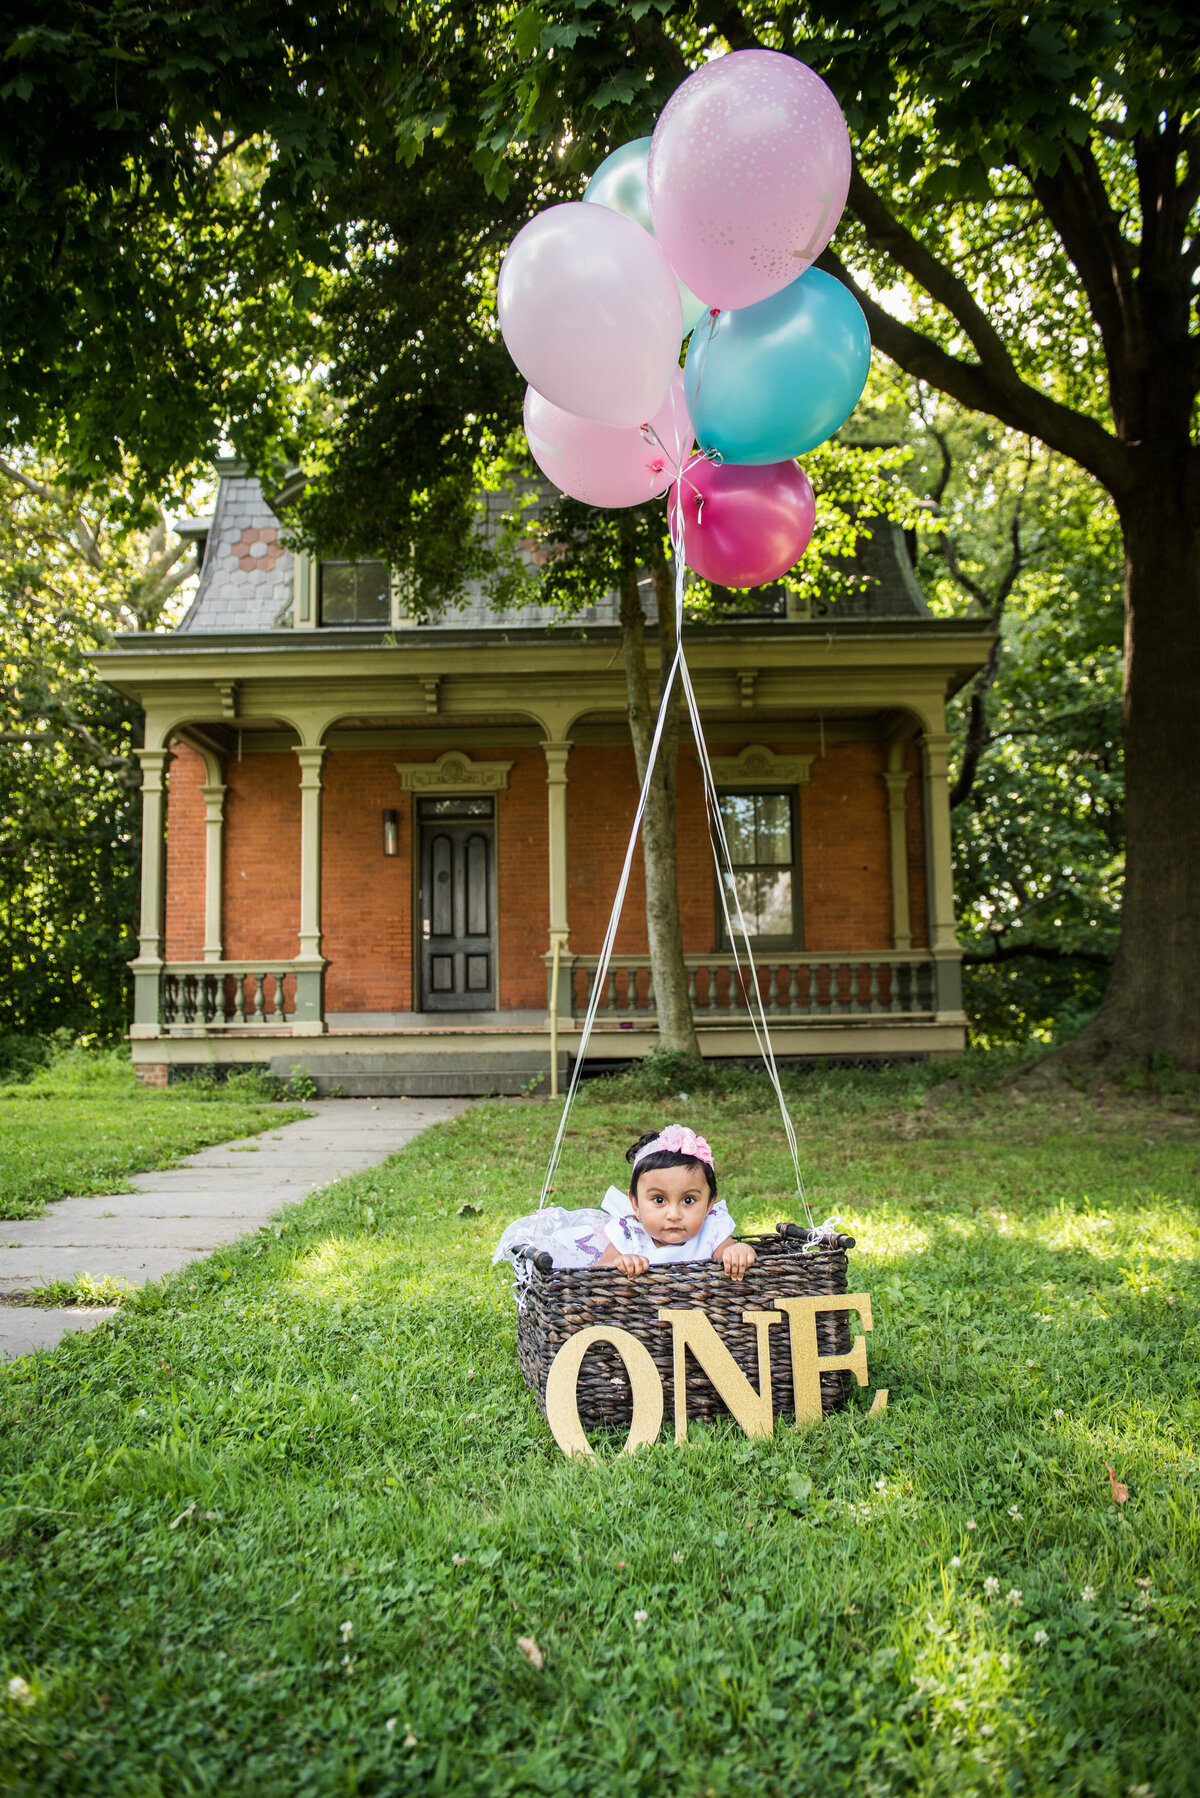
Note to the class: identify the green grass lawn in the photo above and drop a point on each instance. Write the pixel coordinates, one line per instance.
(83, 1126)
(281, 1527)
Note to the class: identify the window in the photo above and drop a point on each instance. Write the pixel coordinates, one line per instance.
(462, 807)
(760, 832)
(354, 593)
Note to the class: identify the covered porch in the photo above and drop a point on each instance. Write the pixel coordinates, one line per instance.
(287, 765)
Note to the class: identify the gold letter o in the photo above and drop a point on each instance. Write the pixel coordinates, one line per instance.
(562, 1410)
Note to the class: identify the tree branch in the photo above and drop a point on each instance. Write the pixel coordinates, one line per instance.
(1016, 404)
(37, 488)
(1036, 952)
(1075, 200)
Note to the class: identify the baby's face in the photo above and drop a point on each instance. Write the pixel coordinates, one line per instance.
(671, 1203)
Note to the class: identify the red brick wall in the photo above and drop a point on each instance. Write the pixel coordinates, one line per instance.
(523, 879)
(262, 856)
(844, 850)
(366, 896)
(183, 928)
(844, 858)
(602, 796)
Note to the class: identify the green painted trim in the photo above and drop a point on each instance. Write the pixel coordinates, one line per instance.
(947, 985)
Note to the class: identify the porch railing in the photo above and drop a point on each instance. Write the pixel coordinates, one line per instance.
(217, 995)
(882, 984)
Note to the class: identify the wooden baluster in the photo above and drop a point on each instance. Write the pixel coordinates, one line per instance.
(873, 987)
(651, 1001)
(792, 994)
(170, 998)
(260, 998)
(693, 996)
(280, 999)
(611, 993)
(239, 998)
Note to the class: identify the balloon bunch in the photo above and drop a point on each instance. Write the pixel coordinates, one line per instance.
(706, 229)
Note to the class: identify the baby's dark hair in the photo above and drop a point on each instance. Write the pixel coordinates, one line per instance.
(665, 1158)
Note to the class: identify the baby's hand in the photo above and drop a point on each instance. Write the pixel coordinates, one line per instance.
(631, 1265)
(736, 1257)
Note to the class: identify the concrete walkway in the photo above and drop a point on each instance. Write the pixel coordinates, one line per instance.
(187, 1211)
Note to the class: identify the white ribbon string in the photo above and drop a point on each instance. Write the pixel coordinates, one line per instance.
(614, 920)
(747, 976)
(726, 884)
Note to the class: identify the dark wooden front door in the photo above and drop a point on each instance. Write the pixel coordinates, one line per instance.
(458, 947)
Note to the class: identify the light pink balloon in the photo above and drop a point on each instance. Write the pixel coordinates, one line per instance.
(744, 526)
(609, 465)
(748, 174)
(589, 310)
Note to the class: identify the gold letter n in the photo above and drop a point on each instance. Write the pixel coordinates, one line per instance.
(692, 1330)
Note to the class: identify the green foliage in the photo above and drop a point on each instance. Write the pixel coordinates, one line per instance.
(314, 1509)
(301, 1085)
(1029, 541)
(74, 568)
(163, 170)
(82, 1290)
(21, 1056)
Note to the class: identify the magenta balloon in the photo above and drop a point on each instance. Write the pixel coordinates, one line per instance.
(589, 309)
(744, 526)
(748, 174)
(609, 465)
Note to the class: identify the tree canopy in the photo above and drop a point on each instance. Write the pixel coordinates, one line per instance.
(211, 199)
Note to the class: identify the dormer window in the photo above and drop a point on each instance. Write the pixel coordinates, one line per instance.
(354, 593)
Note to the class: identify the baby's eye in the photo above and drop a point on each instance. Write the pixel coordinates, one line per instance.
(690, 1199)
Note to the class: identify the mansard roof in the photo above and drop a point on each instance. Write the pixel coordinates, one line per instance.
(247, 573)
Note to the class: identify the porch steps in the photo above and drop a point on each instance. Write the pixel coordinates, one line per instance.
(469, 1073)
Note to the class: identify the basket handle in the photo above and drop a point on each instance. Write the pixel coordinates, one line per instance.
(540, 1258)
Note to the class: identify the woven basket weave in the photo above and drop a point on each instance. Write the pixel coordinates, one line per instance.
(557, 1303)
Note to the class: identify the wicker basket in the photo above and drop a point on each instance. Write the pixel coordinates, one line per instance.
(557, 1303)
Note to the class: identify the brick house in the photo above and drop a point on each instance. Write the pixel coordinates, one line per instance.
(368, 841)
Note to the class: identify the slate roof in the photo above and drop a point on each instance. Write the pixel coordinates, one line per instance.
(246, 575)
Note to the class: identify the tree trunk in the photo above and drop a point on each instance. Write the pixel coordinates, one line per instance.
(676, 1026)
(1153, 1000)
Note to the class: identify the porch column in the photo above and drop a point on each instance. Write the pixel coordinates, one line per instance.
(896, 782)
(214, 850)
(947, 959)
(309, 965)
(147, 969)
(556, 752)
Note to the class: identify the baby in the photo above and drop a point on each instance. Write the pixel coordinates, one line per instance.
(670, 1214)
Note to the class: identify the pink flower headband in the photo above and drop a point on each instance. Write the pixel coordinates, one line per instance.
(677, 1139)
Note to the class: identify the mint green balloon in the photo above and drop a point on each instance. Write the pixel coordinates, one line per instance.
(620, 183)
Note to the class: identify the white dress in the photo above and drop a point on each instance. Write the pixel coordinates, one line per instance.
(578, 1238)
(632, 1238)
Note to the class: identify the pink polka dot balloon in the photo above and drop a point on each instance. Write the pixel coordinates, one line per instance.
(748, 174)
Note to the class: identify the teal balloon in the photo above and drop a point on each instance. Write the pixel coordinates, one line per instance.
(620, 182)
(767, 382)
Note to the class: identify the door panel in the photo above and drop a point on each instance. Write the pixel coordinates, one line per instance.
(458, 950)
